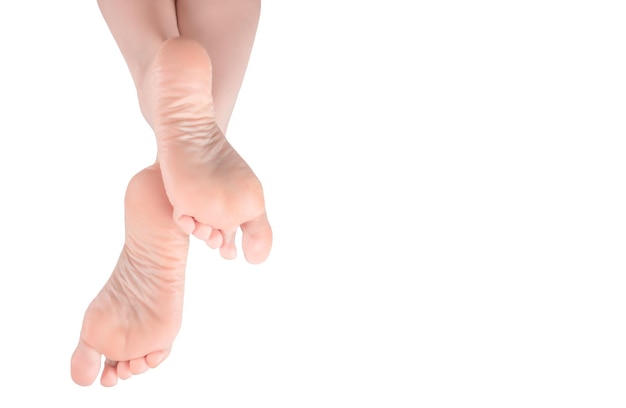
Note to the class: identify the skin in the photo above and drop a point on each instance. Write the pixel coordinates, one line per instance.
(225, 30)
(137, 314)
(212, 189)
(187, 59)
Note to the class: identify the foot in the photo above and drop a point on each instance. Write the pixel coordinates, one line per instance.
(136, 316)
(212, 189)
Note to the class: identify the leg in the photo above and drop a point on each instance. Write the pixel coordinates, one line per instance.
(226, 29)
(136, 316)
(139, 27)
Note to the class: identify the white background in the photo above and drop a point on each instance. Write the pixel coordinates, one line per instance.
(446, 182)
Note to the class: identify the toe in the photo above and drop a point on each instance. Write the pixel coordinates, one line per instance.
(123, 370)
(202, 231)
(216, 239)
(228, 250)
(155, 358)
(85, 364)
(257, 239)
(109, 375)
(138, 366)
(185, 222)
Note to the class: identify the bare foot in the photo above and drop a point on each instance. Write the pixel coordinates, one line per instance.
(136, 316)
(212, 189)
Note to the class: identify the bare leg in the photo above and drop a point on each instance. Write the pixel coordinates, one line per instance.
(226, 29)
(139, 27)
(136, 316)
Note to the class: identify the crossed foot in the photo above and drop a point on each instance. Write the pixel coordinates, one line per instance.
(136, 316)
(201, 187)
(212, 189)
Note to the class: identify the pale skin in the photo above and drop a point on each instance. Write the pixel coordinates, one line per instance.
(187, 59)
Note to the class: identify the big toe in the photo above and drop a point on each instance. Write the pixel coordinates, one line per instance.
(85, 364)
(257, 239)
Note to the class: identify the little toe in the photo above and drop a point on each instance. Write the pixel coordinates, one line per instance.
(202, 231)
(216, 239)
(85, 364)
(228, 250)
(185, 222)
(155, 358)
(139, 365)
(109, 374)
(257, 239)
(123, 370)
